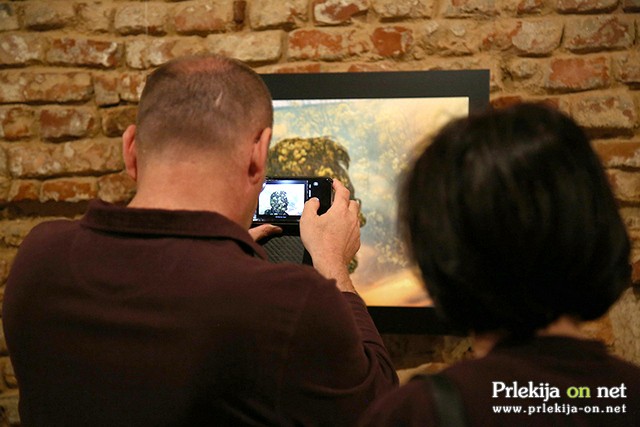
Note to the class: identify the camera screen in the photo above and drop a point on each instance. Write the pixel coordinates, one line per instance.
(282, 199)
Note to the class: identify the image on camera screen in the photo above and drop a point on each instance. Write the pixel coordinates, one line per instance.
(282, 199)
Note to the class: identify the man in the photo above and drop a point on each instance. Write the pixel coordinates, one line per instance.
(165, 312)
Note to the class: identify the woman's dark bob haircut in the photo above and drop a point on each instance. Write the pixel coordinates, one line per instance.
(512, 222)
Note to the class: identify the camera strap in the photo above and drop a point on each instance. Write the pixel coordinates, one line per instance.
(448, 403)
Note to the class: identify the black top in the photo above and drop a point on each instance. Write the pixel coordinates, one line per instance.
(552, 381)
(135, 317)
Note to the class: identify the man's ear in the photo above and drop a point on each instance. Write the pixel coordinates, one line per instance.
(259, 153)
(130, 151)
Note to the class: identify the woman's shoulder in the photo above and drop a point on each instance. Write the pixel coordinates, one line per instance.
(409, 405)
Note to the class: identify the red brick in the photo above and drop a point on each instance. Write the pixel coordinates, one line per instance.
(392, 41)
(239, 12)
(300, 67)
(395, 9)
(32, 160)
(258, 47)
(41, 15)
(5, 186)
(95, 156)
(131, 85)
(450, 38)
(204, 18)
(43, 160)
(21, 49)
(105, 88)
(16, 123)
(526, 73)
(8, 17)
(596, 33)
(82, 51)
(141, 18)
(537, 38)
(95, 16)
(4, 170)
(9, 375)
(6, 260)
(609, 114)
(625, 185)
(631, 218)
(326, 44)
(28, 86)
(24, 190)
(559, 103)
(577, 73)
(152, 52)
(589, 6)
(626, 68)
(506, 101)
(631, 5)
(65, 123)
(334, 12)
(525, 7)
(471, 63)
(495, 36)
(116, 188)
(618, 153)
(69, 190)
(467, 8)
(116, 120)
(265, 14)
(368, 67)
(635, 273)
(13, 232)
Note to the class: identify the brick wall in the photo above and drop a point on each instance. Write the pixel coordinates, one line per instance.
(71, 73)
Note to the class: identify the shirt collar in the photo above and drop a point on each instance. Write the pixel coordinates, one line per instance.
(112, 218)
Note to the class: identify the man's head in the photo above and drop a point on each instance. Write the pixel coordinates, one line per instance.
(201, 102)
(511, 219)
(201, 138)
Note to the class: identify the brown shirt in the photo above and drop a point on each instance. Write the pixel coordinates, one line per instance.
(135, 317)
(523, 376)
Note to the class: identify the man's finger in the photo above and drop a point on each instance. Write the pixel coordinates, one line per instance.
(311, 207)
(354, 206)
(342, 193)
(264, 230)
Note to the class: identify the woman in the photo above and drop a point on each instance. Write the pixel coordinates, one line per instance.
(511, 220)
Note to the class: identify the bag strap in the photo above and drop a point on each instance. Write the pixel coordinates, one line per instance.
(448, 402)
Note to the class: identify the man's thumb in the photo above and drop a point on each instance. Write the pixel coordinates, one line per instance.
(310, 207)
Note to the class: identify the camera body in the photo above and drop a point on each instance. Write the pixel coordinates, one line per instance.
(282, 200)
(281, 203)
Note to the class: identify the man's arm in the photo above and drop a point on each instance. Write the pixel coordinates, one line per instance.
(337, 364)
(332, 239)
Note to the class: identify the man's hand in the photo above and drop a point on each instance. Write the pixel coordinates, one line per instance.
(332, 239)
(265, 230)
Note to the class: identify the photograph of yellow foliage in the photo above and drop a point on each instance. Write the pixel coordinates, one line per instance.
(367, 144)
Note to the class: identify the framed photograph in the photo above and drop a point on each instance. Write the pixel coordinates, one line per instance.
(364, 129)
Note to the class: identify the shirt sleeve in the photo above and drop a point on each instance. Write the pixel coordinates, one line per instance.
(409, 406)
(338, 364)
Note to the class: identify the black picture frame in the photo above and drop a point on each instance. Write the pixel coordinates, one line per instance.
(471, 84)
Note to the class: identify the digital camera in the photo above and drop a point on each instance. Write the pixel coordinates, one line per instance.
(282, 199)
